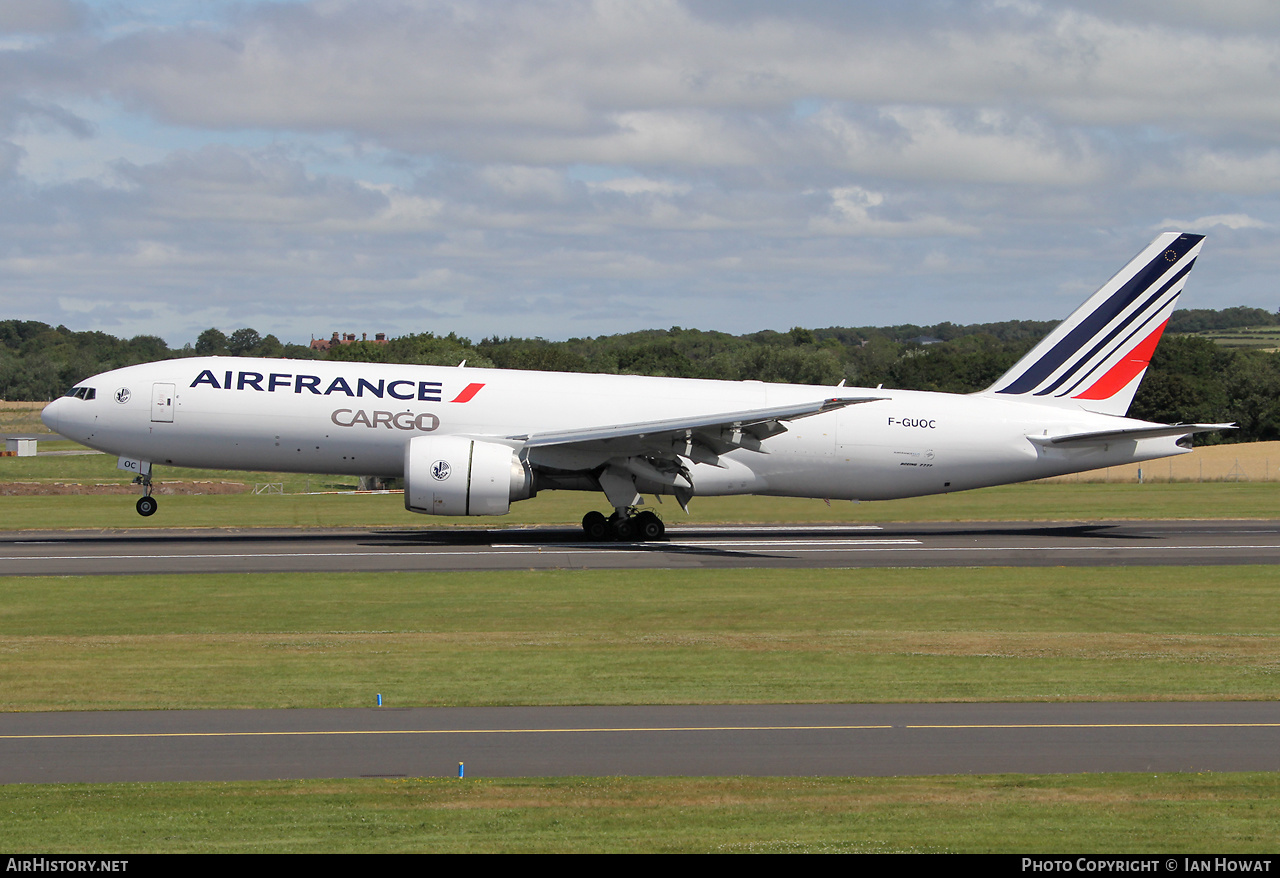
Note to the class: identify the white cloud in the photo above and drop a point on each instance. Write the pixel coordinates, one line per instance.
(1233, 221)
(40, 16)
(578, 69)
(856, 211)
(1243, 171)
(523, 182)
(296, 162)
(640, 186)
(985, 146)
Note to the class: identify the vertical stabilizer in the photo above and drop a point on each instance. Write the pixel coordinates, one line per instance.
(1095, 359)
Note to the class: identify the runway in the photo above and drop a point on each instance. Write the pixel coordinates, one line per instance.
(780, 740)
(1117, 543)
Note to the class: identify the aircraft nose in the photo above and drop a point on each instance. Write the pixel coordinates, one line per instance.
(50, 414)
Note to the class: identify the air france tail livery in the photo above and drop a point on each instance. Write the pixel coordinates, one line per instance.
(471, 441)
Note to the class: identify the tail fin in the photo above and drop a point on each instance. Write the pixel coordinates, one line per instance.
(1096, 358)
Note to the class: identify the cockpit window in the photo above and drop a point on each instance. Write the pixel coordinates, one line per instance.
(83, 392)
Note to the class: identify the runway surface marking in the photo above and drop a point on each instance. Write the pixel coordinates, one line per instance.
(314, 733)
(836, 728)
(792, 546)
(721, 544)
(1107, 726)
(651, 548)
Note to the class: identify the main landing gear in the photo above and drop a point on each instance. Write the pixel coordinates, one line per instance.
(625, 526)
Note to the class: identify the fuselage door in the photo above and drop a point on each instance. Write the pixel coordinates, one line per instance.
(162, 403)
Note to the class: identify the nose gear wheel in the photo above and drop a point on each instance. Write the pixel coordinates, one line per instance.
(146, 505)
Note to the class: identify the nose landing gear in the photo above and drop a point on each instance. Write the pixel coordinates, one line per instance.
(147, 504)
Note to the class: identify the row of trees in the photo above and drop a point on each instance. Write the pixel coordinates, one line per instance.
(1190, 379)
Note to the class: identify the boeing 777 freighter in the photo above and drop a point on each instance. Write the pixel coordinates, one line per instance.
(473, 441)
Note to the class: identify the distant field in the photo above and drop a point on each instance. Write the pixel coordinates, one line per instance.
(1243, 462)
(1263, 338)
(91, 471)
(21, 417)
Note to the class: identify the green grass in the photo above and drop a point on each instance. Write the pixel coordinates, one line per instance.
(1035, 502)
(1156, 814)
(93, 469)
(639, 637)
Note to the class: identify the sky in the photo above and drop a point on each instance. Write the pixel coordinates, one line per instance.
(564, 168)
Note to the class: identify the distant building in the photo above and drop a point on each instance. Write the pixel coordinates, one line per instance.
(20, 446)
(323, 344)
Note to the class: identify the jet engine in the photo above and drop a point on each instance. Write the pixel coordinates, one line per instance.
(453, 475)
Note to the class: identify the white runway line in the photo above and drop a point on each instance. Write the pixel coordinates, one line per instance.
(639, 548)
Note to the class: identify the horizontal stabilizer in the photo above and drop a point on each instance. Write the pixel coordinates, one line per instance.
(1155, 431)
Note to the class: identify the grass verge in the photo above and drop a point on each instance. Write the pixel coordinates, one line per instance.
(1158, 814)
(639, 637)
(1034, 502)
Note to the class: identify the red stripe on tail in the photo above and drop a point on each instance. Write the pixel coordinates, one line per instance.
(1119, 375)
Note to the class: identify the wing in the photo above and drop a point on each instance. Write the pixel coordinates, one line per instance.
(624, 460)
(718, 433)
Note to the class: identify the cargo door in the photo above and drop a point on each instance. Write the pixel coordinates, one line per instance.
(162, 403)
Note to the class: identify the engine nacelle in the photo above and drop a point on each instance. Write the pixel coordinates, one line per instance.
(452, 475)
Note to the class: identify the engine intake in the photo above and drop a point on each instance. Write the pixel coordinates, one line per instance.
(452, 475)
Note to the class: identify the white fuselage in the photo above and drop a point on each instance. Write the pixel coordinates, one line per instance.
(354, 418)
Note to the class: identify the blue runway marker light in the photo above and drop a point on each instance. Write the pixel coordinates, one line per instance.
(379, 699)
(462, 770)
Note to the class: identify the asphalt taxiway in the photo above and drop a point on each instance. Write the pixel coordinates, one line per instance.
(757, 740)
(1117, 543)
